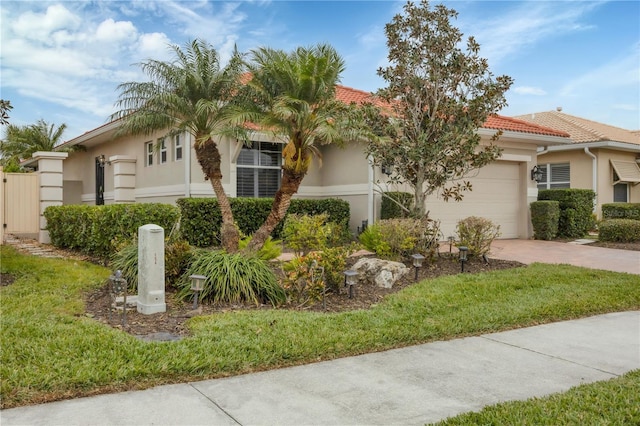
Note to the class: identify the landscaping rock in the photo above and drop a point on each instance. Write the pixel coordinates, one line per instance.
(378, 272)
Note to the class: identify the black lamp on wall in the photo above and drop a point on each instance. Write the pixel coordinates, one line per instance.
(536, 174)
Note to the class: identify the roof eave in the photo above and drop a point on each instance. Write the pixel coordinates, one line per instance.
(618, 146)
(86, 138)
(538, 139)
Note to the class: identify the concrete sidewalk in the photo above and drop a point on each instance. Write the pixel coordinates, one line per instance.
(413, 385)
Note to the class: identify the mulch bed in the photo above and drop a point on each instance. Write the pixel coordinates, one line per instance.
(170, 325)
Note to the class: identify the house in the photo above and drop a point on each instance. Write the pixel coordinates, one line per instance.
(163, 168)
(601, 157)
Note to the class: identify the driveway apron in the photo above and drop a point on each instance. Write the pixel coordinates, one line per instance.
(530, 251)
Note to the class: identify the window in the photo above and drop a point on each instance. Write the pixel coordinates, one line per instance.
(259, 169)
(162, 143)
(621, 193)
(555, 176)
(148, 149)
(177, 148)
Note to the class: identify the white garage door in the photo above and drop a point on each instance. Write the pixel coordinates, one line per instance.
(495, 196)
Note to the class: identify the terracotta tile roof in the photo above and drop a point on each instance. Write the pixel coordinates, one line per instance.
(497, 122)
(581, 129)
(348, 95)
(500, 122)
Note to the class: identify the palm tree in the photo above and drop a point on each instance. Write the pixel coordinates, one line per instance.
(20, 142)
(187, 94)
(292, 95)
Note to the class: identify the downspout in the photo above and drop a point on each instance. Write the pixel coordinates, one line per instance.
(187, 166)
(370, 198)
(594, 174)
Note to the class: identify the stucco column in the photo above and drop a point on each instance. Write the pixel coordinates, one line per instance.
(124, 179)
(50, 171)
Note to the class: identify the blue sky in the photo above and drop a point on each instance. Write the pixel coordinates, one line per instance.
(62, 60)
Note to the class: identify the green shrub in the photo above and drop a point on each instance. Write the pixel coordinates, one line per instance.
(270, 250)
(544, 218)
(305, 233)
(392, 202)
(576, 206)
(398, 239)
(232, 278)
(126, 261)
(99, 230)
(200, 217)
(178, 255)
(621, 211)
(303, 279)
(620, 230)
(477, 234)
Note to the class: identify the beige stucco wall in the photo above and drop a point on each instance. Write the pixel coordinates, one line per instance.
(345, 174)
(582, 172)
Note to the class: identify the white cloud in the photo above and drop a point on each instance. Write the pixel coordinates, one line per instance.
(40, 26)
(154, 45)
(110, 31)
(620, 72)
(527, 24)
(528, 90)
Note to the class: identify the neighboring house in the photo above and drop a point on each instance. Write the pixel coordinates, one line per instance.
(601, 157)
(161, 168)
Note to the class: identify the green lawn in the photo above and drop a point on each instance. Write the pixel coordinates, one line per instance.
(612, 402)
(50, 350)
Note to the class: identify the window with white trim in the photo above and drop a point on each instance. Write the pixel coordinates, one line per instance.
(148, 150)
(162, 144)
(555, 176)
(177, 148)
(259, 169)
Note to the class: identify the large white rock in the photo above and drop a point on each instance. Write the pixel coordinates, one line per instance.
(382, 273)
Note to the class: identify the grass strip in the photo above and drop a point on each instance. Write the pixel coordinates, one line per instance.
(50, 350)
(611, 402)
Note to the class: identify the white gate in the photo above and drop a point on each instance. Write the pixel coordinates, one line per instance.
(20, 210)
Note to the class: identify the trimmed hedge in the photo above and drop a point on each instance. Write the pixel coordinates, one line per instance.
(97, 230)
(621, 211)
(390, 209)
(620, 230)
(200, 217)
(576, 206)
(544, 218)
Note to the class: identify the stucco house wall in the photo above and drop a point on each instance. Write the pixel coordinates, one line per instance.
(501, 192)
(604, 142)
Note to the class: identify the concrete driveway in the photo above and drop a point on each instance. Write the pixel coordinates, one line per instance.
(530, 251)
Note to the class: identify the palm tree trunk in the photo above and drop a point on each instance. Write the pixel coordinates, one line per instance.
(208, 156)
(289, 186)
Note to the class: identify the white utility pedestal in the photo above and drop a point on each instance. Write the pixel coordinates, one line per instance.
(151, 270)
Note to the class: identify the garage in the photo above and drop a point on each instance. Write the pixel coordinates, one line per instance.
(495, 196)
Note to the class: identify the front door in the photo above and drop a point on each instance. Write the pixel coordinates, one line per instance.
(99, 182)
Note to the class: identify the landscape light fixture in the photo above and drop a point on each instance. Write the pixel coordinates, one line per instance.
(350, 279)
(197, 285)
(536, 174)
(417, 263)
(119, 285)
(462, 255)
(451, 240)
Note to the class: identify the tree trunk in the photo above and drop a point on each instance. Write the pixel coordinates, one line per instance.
(289, 186)
(208, 156)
